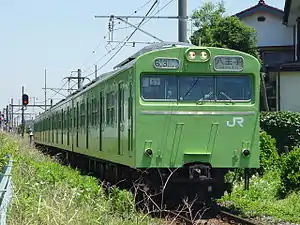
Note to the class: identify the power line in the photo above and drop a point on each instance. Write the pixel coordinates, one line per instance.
(56, 92)
(94, 49)
(127, 38)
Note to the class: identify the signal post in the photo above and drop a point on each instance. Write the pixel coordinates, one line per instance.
(24, 105)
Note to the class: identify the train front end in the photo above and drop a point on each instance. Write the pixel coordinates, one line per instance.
(197, 111)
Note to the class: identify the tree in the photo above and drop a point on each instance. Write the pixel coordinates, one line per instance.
(215, 29)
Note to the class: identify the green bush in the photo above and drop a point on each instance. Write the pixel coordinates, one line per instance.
(269, 157)
(122, 201)
(290, 173)
(46, 192)
(283, 126)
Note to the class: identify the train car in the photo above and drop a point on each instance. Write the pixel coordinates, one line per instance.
(185, 114)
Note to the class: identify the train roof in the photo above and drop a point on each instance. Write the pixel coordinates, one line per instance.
(149, 48)
(129, 61)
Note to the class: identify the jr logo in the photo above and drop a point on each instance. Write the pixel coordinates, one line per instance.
(235, 121)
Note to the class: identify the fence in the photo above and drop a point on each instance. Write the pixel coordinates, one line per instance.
(5, 190)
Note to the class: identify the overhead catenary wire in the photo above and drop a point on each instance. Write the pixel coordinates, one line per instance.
(61, 88)
(124, 43)
(128, 38)
(142, 22)
(114, 29)
(144, 5)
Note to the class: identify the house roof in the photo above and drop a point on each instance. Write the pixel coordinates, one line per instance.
(286, 66)
(261, 6)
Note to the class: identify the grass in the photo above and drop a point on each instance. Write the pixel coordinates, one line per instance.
(261, 199)
(48, 193)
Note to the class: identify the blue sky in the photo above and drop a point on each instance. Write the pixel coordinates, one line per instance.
(62, 36)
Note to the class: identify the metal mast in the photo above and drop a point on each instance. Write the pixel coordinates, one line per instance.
(182, 23)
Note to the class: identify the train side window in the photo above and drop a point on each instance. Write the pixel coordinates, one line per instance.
(121, 102)
(96, 111)
(101, 111)
(110, 108)
(92, 111)
(87, 112)
(82, 114)
(57, 126)
(66, 119)
(130, 101)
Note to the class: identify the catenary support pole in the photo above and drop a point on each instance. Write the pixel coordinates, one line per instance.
(7, 119)
(23, 120)
(182, 23)
(79, 78)
(96, 70)
(45, 89)
(12, 113)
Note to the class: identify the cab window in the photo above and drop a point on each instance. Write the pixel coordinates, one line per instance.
(159, 87)
(194, 88)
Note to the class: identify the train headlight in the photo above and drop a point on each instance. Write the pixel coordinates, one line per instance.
(148, 152)
(197, 55)
(192, 55)
(203, 55)
(246, 152)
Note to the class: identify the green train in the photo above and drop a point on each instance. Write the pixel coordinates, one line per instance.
(175, 112)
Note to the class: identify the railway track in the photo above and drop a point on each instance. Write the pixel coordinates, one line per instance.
(217, 215)
(234, 219)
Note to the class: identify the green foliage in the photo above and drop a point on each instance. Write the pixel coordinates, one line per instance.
(46, 192)
(122, 201)
(208, 14)
(261, 199)
(290, 173)
(269, 158)
(216, 30)
(283, 126)
(278, 175)
(5, 147)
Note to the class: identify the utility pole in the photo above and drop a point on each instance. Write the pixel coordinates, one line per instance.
(12, 112)
(96, 70)
(45, 89)
(7, 120)
(23, 120)
(182, 23)
(79, 78)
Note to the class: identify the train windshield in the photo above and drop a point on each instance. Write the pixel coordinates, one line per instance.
(194, 88)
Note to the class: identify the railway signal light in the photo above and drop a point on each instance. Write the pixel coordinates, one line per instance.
(25, 100)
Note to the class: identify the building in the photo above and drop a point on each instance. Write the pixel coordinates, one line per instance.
(287, 73)
(275, 42)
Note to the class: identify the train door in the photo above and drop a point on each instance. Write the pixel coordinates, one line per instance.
(68, 119)
(52, 128)
(130, 119)
(77, 124)
(49, 130)
(101, 120)
(87, 122)
(121, 120)
(73, 124)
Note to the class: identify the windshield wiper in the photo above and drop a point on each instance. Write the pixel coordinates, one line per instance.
(195, 82)
(201, 100)
(226, 96)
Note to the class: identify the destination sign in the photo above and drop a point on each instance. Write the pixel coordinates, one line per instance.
(166, 63)
(228, 63)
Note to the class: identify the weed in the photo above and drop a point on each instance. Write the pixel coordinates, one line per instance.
(46, 192)
(261, 199)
